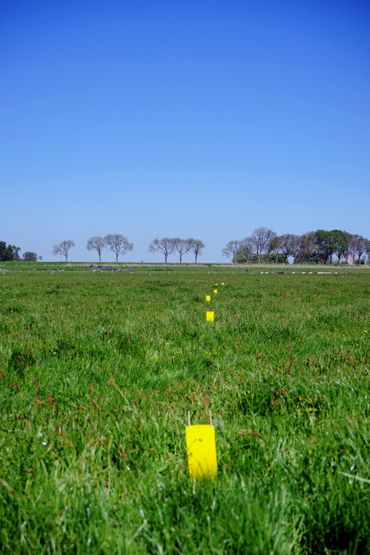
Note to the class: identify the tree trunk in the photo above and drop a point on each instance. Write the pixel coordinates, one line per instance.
(165, 257)
(116, 256)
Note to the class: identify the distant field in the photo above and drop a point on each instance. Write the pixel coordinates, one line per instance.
(98, 371)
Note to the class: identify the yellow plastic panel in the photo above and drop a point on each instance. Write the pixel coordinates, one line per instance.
(210, 315)
(201, 448)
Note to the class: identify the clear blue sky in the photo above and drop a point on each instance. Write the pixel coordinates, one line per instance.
(182, 118)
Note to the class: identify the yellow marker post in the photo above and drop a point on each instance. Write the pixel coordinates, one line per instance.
(215, 291)
(210, 315)
(201, 448)
(208, 298)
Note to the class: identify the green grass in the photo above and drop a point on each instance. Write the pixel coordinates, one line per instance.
(99, 370)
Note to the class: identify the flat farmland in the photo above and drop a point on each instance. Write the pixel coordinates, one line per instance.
(99, 370)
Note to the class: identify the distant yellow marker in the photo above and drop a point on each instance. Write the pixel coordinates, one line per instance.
(215, 291)
(210, 315)
(201, 448)
(208, 298)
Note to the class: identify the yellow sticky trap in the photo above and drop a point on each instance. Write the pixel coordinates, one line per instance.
(208, 298)
(201, 448)
(215, 291)
(210, 315)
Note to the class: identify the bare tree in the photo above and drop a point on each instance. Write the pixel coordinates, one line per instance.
(165, 245)
(245, 250)
(196, 247)
(182, 246)
(96, 243)
(118, 244)
(63, 249)
(307, 251)
(231, 249)
(288, 244)
(261, 240)
(357, 247)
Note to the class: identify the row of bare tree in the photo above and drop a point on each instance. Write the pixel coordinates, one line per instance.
(167, 246)
(320, 246)
(120, 245)
(117, 243)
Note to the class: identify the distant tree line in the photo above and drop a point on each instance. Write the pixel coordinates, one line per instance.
(120, 245)
(263, 245)
(11, 252)
(314, 247)
(117, 243)
(166, 246)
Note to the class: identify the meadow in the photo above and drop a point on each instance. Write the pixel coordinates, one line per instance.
(98, 371)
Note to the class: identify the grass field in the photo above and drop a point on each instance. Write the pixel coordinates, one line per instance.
(99, 370)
